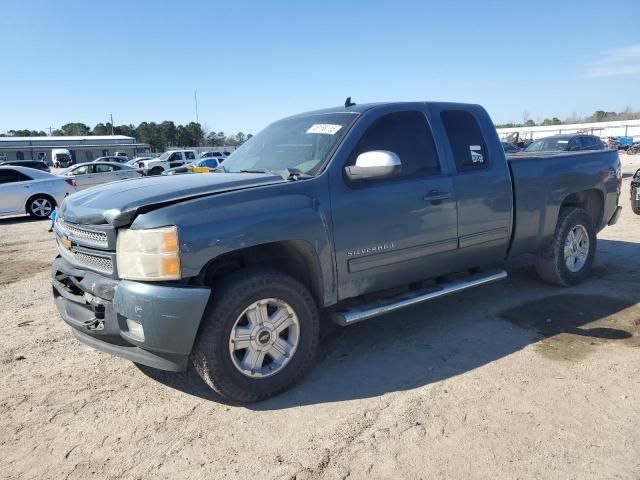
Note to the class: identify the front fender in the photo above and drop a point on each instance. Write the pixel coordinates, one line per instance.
(219, 224)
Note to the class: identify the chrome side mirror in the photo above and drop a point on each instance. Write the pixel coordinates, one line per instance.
(374, 165)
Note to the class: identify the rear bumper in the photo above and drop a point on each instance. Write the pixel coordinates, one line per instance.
(101, 311)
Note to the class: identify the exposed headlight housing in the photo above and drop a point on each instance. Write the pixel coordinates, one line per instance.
(148, 254)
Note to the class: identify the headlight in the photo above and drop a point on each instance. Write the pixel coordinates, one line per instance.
(148, 254)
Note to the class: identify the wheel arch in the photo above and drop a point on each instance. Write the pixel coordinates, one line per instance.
(36, 195)
(296, 258)
(591, 200)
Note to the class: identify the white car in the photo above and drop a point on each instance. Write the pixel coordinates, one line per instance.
(27, 190)
(96, 173)
(169, 159)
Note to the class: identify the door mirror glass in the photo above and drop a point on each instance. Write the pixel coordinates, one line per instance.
(374, 165)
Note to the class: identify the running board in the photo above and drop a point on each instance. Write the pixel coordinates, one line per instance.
(388, 305)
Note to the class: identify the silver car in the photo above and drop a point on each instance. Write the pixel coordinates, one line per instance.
(96, 173)
(27, 190)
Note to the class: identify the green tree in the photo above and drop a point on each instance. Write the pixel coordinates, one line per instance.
(530, 123)
(600, 115)
(75, 129)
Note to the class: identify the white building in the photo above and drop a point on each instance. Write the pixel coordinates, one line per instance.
(83, 149)
(626, 128)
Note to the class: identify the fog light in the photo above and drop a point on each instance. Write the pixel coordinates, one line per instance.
(135, 329)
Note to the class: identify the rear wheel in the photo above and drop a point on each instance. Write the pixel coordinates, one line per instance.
(635, 202)
(40, 206)
(156, 171)
(258, 337)
(568, 259)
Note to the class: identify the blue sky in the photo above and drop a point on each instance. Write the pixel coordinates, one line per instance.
(254, 62)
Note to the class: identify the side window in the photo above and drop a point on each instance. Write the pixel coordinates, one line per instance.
(466, 140)
(407, 134)
(190, 155)
(83, 170)
(175, 157)
(576, 143)
(11, 176)
(19, 156)
(101, 168)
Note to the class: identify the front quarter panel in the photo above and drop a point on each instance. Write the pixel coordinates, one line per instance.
(218, 224)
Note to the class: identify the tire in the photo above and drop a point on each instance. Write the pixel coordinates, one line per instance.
(40, 206)
(553, 263)
(635, 204)
(214, 357)
(156, 171)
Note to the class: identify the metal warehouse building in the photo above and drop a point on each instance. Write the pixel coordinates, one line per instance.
(83, 149)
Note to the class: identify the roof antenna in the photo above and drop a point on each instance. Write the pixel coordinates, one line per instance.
(348, 103)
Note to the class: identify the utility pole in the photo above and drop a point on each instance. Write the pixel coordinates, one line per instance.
(195, 98)
(111, 115)
(49, 131)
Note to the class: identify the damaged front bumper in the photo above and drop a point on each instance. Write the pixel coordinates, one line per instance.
(147, 323)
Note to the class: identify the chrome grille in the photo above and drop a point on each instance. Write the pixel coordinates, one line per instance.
(91, 237)
(96, 262)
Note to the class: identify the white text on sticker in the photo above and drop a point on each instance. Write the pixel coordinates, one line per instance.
(324, 128)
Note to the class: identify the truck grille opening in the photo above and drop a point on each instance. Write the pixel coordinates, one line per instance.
(91, 237)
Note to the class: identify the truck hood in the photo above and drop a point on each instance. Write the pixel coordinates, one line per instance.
(118, 203)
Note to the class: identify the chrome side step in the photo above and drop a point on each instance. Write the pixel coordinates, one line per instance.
(389, 305)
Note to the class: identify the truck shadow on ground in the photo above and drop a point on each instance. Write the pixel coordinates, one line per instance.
(450, 336)
(6, 221)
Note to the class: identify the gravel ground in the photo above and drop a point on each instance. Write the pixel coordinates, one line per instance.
(513, 380)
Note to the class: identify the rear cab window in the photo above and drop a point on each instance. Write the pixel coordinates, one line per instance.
(408, 135)
(466, 140)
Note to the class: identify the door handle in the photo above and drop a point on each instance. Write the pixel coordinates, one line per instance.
(436, 196)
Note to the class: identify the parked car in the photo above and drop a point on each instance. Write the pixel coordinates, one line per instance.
(215, 154)
(61, 158)
(571, 143)
(27, 190)
(633, 149)
(169, 159)
(121, 154)
(91, 174)
(112, 158)
(509, 147)
(204, 165)
(352, 212)
(37, 164)
(635, 192)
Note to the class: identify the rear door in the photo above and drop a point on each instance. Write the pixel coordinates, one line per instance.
(15, 189)
(399, 230)
(482, 185)
(103, 173)
(83, 175)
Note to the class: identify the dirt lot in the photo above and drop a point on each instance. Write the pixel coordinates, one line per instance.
(514, 380)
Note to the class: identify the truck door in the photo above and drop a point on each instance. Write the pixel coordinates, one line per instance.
(398, 230)
(482, 186)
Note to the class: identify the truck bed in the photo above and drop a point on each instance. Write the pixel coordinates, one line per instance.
(541, 181)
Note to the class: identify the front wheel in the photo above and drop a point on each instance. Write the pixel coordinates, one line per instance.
(40, 206)
(568, 259)
(258, 337)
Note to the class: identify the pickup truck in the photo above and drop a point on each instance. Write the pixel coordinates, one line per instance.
(169, 159)
(342, 214)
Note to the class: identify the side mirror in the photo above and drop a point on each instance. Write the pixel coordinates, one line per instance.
(374, 165)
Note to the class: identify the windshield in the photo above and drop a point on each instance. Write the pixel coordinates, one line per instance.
(302, 143)
(164, 156)
(551, 144)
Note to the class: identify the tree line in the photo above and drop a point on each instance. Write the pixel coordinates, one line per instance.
(597, 116)
(159, 136)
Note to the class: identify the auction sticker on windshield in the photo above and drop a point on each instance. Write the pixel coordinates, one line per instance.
(324, 128)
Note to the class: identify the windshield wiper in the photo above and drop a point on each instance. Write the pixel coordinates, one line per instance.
(287, 174)
(295, 174)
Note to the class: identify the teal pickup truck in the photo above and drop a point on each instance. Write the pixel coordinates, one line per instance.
(342, 214)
